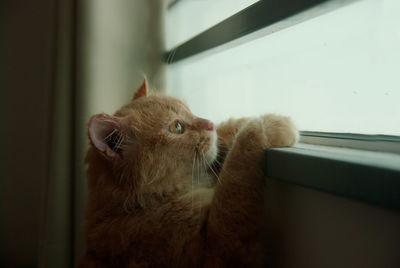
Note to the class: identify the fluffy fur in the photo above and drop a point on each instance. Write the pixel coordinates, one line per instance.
(166, 199)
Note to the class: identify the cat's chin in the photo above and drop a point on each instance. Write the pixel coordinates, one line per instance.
(212, 152)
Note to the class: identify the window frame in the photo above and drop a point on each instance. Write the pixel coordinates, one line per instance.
(264, 14)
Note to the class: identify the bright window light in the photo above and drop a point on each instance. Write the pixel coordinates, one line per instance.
(190, 17)
(338, 72)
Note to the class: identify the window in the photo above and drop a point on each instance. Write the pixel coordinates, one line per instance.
(332, 67)
(186, 19)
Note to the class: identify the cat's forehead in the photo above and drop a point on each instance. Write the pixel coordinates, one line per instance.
(156, 105)
(165, 103)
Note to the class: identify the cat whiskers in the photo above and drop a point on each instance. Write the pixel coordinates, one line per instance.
(107, 138)
(211, 168)
(198, 172)
(221, 165)
(116, 139)
(194, 160)
(198, 178)
(117, 146)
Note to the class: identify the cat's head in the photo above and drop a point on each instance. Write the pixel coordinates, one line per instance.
(152, 137)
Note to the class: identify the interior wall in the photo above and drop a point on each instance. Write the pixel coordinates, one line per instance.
(26, 68)
(62, 61)
(309, 228)
(120, 41)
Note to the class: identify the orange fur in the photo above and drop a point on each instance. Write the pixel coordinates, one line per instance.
(161, 203)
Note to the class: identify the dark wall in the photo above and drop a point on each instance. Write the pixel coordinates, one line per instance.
(312, 229)
(26, 68)
(51, 83)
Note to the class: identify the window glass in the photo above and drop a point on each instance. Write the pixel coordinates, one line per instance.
(188, 18)
(338, 72)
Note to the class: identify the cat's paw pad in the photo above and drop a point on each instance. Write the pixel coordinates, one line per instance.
(279, 130)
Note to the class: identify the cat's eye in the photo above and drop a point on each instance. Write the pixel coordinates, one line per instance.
(176, 127)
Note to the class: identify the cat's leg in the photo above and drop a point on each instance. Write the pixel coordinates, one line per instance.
(235, 216)
(226, 133)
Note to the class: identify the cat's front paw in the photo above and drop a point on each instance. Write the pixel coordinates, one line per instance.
(279, 130)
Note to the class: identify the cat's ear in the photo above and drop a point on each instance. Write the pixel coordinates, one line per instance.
(105, 134)
(142, 91)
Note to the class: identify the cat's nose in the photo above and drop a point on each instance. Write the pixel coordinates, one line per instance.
(204, 124)
(210, 126)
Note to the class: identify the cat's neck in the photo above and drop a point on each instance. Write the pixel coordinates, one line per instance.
(179, 182)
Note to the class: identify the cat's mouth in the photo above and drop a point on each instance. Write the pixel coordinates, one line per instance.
(211, 153)
(207, 147)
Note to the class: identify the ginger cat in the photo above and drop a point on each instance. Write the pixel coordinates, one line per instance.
(169, 189)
